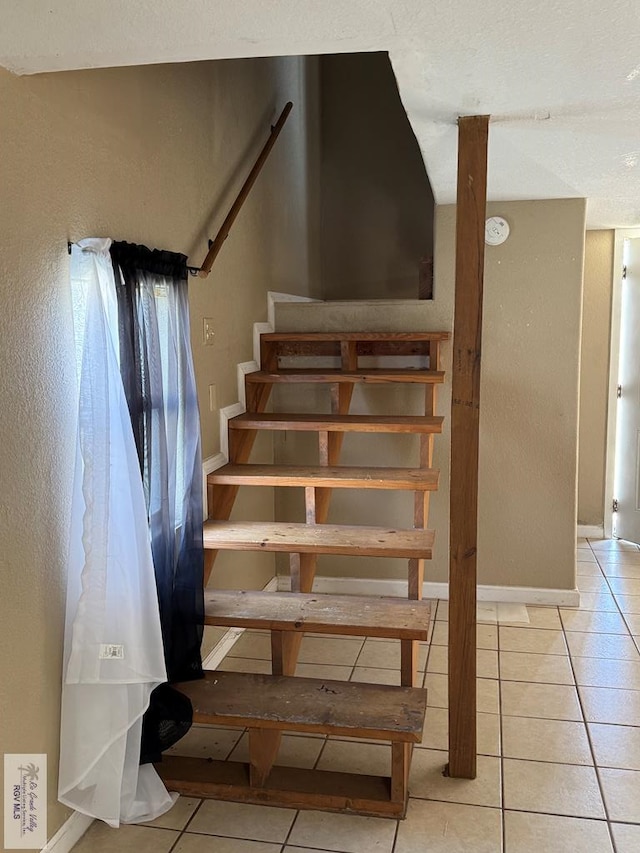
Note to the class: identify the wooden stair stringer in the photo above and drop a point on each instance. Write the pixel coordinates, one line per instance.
(337, 477)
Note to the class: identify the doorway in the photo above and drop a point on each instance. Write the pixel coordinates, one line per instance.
(622, 494)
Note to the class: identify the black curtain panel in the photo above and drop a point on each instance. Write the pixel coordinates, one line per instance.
(157, 372)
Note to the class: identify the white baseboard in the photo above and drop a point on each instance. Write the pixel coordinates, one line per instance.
(226, 643)
(398, 589)
(592, 531)
(69, 834)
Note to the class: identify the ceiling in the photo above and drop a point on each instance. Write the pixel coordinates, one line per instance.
(560, 78)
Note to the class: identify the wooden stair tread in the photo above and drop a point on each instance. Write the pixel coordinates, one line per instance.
(345, 477)
(351, 376)
(333, 349)
(395, 618)
(318, 539)
(286, 703)
(355, 336)
(338, 423)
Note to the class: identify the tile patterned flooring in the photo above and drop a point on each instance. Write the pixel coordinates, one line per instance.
(558, 734)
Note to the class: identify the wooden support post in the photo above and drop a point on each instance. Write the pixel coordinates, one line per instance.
(263, 750)
(285, 645)
(310, 504)
(400, 766)
(473, 132)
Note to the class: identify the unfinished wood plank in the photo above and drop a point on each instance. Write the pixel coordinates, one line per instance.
(302, 572)
(323, 349)
(374, 376)
(400, 766)
(310, 504)
(318, 539)
(263, 750)
(376, 711)
(334, 477)
(302, 568)
(287, 787)
(268, 354)
(273, 337)
(323, 448)
(335, 423)
(329, 614)
(473, 134)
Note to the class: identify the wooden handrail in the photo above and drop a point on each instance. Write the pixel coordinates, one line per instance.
(223, 233)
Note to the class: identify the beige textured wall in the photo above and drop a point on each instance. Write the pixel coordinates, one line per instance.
(594, 374)
(153, 155)
(529, 391)
(529, 404)
(377, 205)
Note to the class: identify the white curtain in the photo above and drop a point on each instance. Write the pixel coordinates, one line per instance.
(113, 655)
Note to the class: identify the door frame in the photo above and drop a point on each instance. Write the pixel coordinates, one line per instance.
(621, 234)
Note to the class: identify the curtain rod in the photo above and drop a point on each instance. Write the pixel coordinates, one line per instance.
(192, 270)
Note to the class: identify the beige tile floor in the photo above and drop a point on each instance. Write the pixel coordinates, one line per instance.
(558, 737)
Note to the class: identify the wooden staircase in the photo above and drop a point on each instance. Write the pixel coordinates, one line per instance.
(269, 705)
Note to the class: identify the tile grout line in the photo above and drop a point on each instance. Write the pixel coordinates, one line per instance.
(619, 609)
(590, 741)
(501, 745)
(290, 830)
(397, 832)
(183, 831)
(177, 841)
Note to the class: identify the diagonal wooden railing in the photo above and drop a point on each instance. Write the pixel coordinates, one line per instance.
(216, 244)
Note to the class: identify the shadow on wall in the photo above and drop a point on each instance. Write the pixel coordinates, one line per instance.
(377, 204)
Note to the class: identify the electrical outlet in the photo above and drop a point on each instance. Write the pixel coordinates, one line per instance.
(213, 398)
(207, 331)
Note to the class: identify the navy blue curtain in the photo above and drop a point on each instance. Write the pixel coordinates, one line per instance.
(157, 371)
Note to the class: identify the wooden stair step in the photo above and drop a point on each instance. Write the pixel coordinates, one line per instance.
(338, 423)
(285, 703)
(312, 375)
(318, 539)
(341, 477)
(394, 618)
(275, 337)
